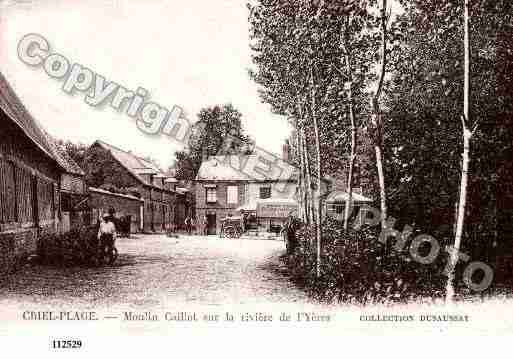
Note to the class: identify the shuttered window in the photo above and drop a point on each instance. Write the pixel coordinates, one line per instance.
(243, 189)
(8, 205)
(25, 195)
(232, 194)
(211, 195)
(45, 200)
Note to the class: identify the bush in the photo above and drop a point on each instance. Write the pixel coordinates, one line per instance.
(356, 269)
(75, 247)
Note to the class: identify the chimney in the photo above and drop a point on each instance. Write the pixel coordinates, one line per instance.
(286, 151)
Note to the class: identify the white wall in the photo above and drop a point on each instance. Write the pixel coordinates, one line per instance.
(278, 190)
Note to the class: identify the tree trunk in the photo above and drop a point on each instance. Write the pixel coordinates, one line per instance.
(308, 183)
(377, 119)
(467, 136)
(349, 200)
(352, 159)
(381, 182)
(317, 200)
(305, 165)
(305, 185)
(301, 177)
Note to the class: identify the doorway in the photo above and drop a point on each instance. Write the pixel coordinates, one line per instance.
(211, 223)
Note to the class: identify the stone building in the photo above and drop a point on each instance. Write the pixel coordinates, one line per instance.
(73, 211)
(33, 176)
(126, 206)
(164, 203)
(260, 187)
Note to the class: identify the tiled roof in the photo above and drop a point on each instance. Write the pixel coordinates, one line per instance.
(13, 107)
(62, 157)
(136, 165)
(239, 168)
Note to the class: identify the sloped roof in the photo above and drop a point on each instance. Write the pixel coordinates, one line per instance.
(102, 191)
(14, 109)
(241, 168)
(62, 157)
(136, 165)
(153, 166)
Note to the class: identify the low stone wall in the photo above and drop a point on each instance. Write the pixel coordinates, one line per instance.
(18, 243)
(75, 247)
(15, 246)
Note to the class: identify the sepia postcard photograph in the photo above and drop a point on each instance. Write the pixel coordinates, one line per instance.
(239, 178)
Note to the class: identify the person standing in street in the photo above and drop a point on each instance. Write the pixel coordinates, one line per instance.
(188, 225)
(107, 232)
(204, 225)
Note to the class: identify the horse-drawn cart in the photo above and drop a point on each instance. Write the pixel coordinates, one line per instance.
(231, 227)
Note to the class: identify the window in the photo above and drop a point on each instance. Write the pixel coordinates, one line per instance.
(8, 195)
(242, 193)
(45, 200)
(232, 194)
(265, 192)
(211, 195)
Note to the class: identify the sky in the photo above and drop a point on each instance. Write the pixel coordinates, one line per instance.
(190, 53)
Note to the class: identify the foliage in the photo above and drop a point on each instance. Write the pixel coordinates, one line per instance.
(355, 269)
(425, 103)
(102, 171)
(290, 40)
(214, 126)
(77, 151)
(77, 247)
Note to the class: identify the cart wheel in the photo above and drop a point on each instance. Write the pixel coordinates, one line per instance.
(230, 232)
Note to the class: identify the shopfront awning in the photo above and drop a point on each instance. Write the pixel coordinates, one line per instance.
(341, 197)
(276, 208)
(270, 207)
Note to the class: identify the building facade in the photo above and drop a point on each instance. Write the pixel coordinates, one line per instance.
(244, 186)
(262, 189)
(32, 173)
(163, 202)
(73, 209)
(126, 206)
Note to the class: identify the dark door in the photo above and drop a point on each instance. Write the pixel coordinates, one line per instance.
(164, 217)
(211, 223)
